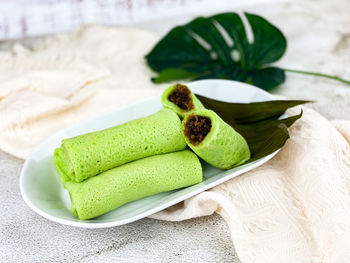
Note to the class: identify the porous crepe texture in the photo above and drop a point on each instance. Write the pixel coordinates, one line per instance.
(222, 147)
(181, 112)
(90, 154)
(113, 188)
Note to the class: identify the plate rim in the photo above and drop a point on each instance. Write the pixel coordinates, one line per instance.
(96, 225)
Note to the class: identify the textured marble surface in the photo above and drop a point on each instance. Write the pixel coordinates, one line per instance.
(318, 35)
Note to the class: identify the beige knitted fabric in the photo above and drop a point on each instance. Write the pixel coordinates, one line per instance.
(295, 208)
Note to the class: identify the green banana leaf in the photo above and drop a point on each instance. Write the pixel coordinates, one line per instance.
(262, 124)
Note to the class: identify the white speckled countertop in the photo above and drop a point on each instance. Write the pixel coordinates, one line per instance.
(318, 35)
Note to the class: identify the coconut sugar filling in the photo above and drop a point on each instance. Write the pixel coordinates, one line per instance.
(181, 97)
(196, 128)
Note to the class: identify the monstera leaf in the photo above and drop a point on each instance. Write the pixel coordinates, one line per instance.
(218, 47)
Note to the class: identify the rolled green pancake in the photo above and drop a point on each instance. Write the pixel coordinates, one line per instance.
(86, 155)
(113, 188)
(214, 140)
(180, 99)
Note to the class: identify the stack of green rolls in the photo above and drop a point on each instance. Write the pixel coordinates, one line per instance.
(106, 169)
(89, 154)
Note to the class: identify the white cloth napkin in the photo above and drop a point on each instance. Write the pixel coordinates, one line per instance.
(295, 208)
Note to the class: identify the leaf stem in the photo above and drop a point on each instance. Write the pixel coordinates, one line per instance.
(318, 75)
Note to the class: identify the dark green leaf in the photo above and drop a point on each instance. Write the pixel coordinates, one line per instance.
(249, 112)
(207, 47)
(269, 43)
(268, 78)
(258, 122)
(265, 137)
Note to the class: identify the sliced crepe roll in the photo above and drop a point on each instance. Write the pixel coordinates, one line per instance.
(214, 140)
(90, 154)
(113, 188)
(180, 99)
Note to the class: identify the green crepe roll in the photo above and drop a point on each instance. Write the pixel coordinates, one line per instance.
(87, 155)
(212, 139)
(181, 100)
(113, 188)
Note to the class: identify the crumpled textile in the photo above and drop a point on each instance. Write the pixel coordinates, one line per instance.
(59, 82)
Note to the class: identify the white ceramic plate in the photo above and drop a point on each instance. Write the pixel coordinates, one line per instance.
(42, 190)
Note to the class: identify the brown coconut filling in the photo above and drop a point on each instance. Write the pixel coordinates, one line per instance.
(196, 128)
(181, 97)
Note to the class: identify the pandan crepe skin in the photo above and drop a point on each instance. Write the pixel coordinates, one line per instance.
(180, 99)
(90, 154)
(212, 139)
(113, 188)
